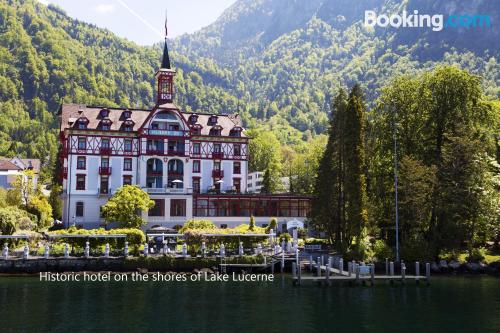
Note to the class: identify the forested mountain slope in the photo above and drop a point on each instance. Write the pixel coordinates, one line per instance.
(276, 62)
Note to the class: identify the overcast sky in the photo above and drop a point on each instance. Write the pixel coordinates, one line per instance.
(142, 21)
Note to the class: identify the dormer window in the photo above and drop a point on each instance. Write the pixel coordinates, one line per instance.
(127, 114)
(216, 131)
(196, 129)
(82, 123)
(235, 131)
(104, 113)
(193, 118)
(105, 124)
(212, 120)
(128, 125)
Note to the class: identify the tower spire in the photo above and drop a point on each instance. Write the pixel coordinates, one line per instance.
(165, 62)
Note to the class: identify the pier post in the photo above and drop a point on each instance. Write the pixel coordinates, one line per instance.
(294, 270)
(356, 268)
(125, 250)
(26, 252)
(310, 264)
(106, 251)
(47, 251)
(403, 272)
(428, 273)
(86, 250)
(372, 274)
(386, 266)
(417, 272)
(282, 262)
(322, 261)
(341, 266)
(66, 251)
(391, 270)
(272, 266)
(146, 249)
(318, 267)
(349, 268)
(328, 265)
(5, 252)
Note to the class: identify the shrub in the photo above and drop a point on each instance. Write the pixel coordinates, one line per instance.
(197, 224)
(25, 223)
(381, 251)
(252, 223)
(476, 255)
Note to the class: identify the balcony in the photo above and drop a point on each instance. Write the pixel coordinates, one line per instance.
(218, 155)
(153, 173)
(168, 190)
(176, 152)
(105, 151)
(153, 151)
(218, 173)
(161, 132)
(104, 171)
(175, 174)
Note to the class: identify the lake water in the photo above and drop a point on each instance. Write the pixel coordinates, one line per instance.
(458, 304)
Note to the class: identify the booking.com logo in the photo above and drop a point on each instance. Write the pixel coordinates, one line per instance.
(436, 21)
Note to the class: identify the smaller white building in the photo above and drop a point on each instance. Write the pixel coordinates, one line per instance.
(11, 168)
(255, 179)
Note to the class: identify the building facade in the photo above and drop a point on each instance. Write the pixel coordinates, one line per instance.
(193, 165)
(255, 179)
(12, 168)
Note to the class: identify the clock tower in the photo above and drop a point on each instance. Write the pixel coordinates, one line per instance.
(165, 77)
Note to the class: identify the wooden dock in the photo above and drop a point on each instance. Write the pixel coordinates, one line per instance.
(355, 273)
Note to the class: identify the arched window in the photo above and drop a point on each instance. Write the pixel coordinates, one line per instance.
(216, 130)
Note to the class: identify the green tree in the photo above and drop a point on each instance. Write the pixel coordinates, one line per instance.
(40, 207)
(126, 205)
(55, 201)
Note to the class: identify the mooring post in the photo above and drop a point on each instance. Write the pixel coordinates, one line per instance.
(341, 266)
(322, 261)
(272, 266)
(386, 266)
(372, 274)
(47, 251)
(318, 267)
(403, 272)
(26, 253)
(125, 250)
(282, 262)
(328, 272)
(357, 272)
(106, 251)
(310, 264)
(5, 252)
(86, 250)
(391, 271)
(146, 249)
(66, 251)
(294, 270)
(349, 268)
(417, 272)
(428, 273)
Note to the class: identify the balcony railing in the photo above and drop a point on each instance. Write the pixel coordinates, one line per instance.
(154, 151)
(157, 190)
(175, 174)
(104, 171)
(218, 173)
(105, 151)
(161, 132)
(155, 173)
(176, 152)
(218, 155)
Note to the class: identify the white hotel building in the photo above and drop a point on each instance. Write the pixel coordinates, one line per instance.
(192, 165)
